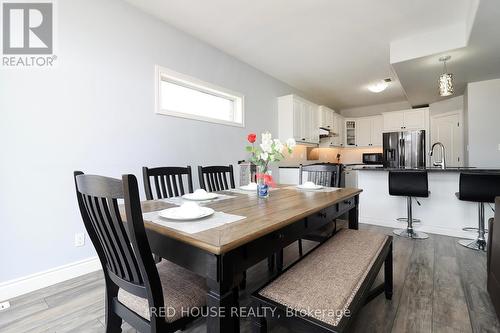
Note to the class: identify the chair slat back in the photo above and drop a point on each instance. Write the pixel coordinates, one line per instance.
(167, 182)
(125, 256)
(325, 175)
(215, 178)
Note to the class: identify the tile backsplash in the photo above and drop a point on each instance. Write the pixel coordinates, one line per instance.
(347, 155)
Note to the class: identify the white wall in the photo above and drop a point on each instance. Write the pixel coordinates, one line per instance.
(483, 113)
(95, 112)
(447, 105)
(373, 110)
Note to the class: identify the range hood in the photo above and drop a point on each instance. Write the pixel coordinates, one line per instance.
(326, 133)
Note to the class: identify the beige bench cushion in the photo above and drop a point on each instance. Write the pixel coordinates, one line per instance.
(324, 283)
(182, 289)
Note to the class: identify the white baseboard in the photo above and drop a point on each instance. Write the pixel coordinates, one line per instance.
(425, 228)
(16, 287)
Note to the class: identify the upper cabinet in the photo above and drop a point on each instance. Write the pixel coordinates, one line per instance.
(363, 132)
(338, 131)
(326, 117)
(368, 131)
(333, 122)
(298, 119)
(407, 120)
(376, 130)
(350, 132)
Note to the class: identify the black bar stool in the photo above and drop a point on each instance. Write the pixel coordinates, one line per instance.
(481, 188)
(409, 184)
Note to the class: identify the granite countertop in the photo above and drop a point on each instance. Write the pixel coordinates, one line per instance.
(435, 169)
(296, 166)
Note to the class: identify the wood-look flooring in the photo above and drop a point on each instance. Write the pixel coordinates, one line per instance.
(439, 286)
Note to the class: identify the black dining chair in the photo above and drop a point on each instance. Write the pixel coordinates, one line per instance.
(137, 290)
(215, 178)
(320, 174)
(326, 175)
(168, 182)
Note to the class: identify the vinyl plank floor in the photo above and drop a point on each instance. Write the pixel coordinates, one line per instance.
(439, 286)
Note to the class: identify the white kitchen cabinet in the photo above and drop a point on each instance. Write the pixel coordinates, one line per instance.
(376, 131)
(416, 119)
(351, 178)
(338, 131)
(367, 132)
(363, 132)
(298, 119)
(393, 121)
(350, 133)
(413, 119)
(326, 117)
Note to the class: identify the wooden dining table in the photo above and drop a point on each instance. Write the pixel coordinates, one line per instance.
(223, 254)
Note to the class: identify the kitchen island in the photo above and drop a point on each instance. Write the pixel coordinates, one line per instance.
(441, 213)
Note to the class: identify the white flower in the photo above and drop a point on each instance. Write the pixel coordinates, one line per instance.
(278, 146)
(266, 137)
(266, 146)
(291, 143)
(264, 156)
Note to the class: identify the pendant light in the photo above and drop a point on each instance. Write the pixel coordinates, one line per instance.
(445, 79)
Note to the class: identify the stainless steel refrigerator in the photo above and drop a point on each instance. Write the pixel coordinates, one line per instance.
(404, 149)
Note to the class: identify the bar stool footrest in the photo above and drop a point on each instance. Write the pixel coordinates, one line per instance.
(473, 229)
(474, 244)
(405, 220)
(412, 235)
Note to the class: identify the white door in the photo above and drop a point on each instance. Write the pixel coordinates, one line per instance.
(376, 132)
(447, 129)
(394, 121)
(414, 120)
(363, 132)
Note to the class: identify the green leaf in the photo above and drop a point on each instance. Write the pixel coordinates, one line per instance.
(249, 148)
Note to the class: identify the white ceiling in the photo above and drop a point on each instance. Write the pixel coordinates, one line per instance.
(478, 60)
(330, 49)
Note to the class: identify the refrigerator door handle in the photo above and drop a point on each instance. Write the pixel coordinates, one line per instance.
(401, 153)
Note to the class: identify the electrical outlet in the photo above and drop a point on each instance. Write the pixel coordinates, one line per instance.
(79, 239)
(4, 305)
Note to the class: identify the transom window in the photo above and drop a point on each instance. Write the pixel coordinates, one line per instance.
(182, 96)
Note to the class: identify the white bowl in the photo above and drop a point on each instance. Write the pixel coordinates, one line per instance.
(200, 195)
(187, 211)
(309, 186)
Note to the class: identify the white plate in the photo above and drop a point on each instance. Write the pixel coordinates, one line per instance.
(179, 214)
(247, 188)
(316, 187)
(192, 196)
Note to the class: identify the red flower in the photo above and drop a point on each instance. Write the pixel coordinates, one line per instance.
(251, 137)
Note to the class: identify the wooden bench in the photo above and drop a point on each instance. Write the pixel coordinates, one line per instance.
(324, 290)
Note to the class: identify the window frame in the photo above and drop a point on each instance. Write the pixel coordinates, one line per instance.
(162, 73)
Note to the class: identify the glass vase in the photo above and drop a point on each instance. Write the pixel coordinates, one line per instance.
(263, 177)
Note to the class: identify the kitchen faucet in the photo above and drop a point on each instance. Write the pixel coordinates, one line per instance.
(442, 162)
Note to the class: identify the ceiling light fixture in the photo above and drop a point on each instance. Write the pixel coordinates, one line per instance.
(379, 86)
(445, 79)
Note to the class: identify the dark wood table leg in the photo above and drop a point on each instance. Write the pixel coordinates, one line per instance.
(222, 295)
(354, 215)
(221, 299)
